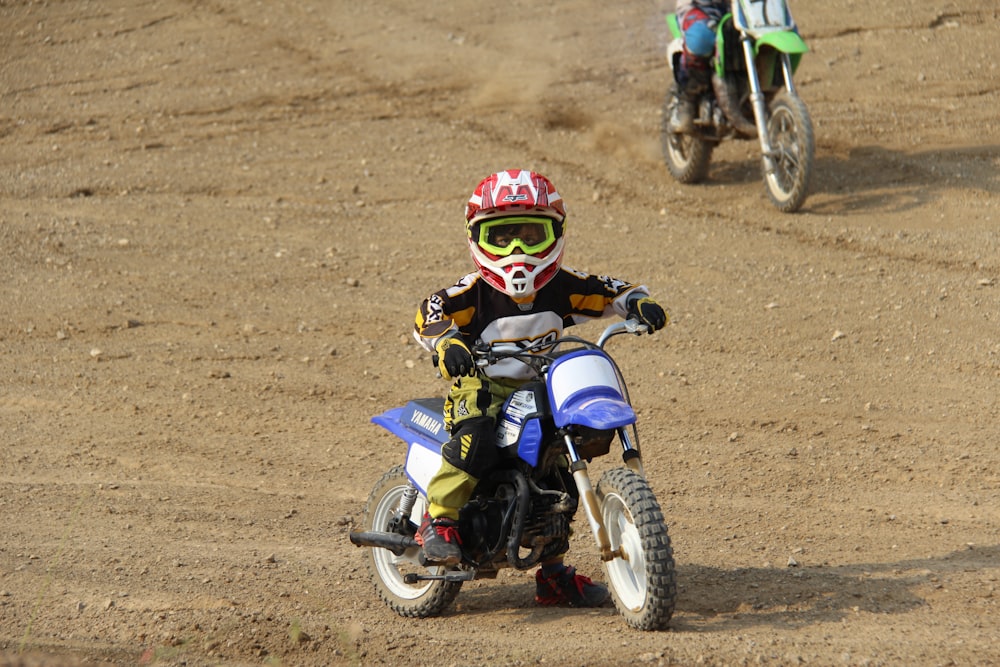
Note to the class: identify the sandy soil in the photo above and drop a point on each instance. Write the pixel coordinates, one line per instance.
(218, 219)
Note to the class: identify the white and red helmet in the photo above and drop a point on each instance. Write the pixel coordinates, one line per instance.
(521, 267)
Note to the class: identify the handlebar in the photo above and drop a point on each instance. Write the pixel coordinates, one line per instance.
(486, 355)
(628, 325)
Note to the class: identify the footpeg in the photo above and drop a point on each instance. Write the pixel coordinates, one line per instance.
(450, 575)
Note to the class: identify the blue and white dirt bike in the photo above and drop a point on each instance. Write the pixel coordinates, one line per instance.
(752, 96)
(520, 513)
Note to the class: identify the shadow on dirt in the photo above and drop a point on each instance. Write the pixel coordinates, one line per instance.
(873, 178)
(714, 600)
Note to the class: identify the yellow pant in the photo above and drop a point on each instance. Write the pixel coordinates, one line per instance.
(470, 412)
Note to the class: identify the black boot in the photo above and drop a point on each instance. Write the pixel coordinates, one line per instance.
(692, 84)
(440, 540)
(557, 585)
(682, 119)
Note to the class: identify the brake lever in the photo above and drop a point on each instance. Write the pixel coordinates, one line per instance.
(634, 326)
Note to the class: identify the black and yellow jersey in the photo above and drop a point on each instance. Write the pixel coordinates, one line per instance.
(484, 314)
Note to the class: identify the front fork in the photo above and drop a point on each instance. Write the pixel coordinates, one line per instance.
(759, 103)
(588, 496)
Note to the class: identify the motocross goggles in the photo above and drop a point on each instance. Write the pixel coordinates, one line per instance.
(501, 236)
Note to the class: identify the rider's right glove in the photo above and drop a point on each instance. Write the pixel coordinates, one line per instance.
(648, 312)
(454, 358)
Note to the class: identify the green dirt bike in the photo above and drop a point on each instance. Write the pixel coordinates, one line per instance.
(752, 96)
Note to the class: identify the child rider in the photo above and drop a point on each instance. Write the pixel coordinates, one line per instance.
(516, 225)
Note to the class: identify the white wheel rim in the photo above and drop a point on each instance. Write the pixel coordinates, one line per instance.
(626, 574)
(390, 567)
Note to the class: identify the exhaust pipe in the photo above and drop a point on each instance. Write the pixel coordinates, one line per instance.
(394, 542)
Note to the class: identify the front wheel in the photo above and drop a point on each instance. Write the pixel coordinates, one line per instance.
(687, 157)
(790, 132)
(642, 579)
(388, 571)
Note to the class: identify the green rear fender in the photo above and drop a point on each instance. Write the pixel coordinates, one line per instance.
(674, 25)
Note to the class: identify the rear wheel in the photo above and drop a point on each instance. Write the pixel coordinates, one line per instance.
(388, 571)
(642, 579)
(790, 132)
(687, 157)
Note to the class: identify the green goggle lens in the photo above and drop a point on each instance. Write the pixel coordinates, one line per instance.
(501, 237)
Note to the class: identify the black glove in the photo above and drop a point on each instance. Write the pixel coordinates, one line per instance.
(454, 358)
(648, 312)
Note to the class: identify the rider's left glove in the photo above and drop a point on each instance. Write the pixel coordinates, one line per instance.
(648, 312)
(454, 358)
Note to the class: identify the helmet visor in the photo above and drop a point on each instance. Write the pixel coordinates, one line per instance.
(502, 236)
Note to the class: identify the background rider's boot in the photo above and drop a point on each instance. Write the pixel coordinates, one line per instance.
(695, 79)
(682, 119)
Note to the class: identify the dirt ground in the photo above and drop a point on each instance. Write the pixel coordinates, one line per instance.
(217, 220)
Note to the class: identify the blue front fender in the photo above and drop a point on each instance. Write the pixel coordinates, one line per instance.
(601, 413)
